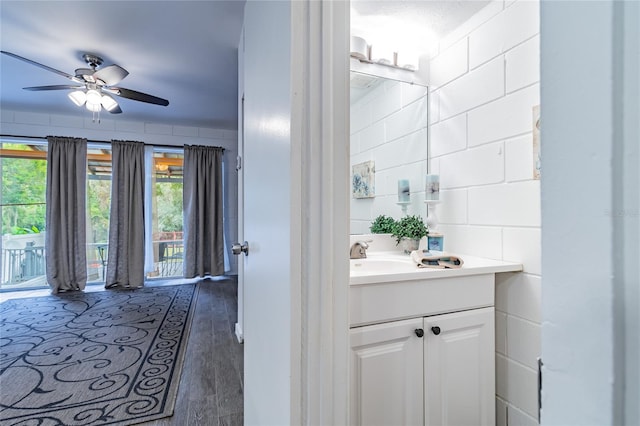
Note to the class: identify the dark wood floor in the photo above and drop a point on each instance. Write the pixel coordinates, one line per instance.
(211, 387)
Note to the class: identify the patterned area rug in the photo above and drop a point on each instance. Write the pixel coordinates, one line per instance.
(96, 358)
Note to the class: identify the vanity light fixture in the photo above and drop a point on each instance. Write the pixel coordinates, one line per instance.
(382, 54)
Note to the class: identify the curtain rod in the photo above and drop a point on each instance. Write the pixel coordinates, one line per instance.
(92, 140)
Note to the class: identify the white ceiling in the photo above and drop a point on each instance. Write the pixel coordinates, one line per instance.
(418, 22)
(183, 51)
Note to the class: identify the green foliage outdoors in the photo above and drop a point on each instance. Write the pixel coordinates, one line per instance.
(409, 227)
(24, 183)
(382, 225)
(169, 205)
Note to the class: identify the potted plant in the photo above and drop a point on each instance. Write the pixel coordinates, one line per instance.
(382, 225)
(409, 231)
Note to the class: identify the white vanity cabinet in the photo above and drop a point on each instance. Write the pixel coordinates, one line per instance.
(459, 368)
(436, 370)
(422, 343)
(387, 374)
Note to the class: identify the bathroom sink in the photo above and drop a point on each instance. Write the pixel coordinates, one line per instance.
(381, 265)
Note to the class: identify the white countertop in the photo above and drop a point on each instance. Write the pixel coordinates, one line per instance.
(402, 268)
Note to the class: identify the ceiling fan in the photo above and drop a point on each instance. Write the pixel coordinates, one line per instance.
(94, 86)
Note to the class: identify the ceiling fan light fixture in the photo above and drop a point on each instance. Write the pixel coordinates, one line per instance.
(93, 107)
(78, 97)
(94, 97)
(108, 103)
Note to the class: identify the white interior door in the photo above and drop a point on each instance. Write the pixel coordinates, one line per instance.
(267, 214)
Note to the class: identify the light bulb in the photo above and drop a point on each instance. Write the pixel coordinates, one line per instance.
(78, 97)
(93, 97)
(93, 107)
(108, 103)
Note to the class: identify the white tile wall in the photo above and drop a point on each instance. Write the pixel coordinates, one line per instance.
(501, 412)
(408, 120)
(511, 204)
(453, 207)
(508, 116)
(517, 384)
(517, 23)
(523, 341)
(449, 64)
(387, 101)
(519, 158)
(185, 131)
(67, 121)
(130, 126)
(434, 107)
(523, 245)
(523, 65)
(484, 241)
(519, 295)
(485, 82)
(501, 333)
(473, 89)
(371, 136)
(449, 136)
(478, 166)
(518, 418)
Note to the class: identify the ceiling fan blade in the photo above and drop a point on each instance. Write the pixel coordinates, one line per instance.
(111, 75)
(29, 61)
(55, 87)
(136, 96)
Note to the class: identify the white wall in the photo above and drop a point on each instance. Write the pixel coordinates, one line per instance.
(484, 83)
(389, 126)
(590, 205)
(21, 123)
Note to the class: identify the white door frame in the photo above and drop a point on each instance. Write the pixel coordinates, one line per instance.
(320, 223)
(319, 214)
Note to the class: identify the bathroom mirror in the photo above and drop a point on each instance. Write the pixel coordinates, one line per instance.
(389, 142)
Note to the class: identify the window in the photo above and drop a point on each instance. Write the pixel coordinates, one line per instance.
(23, 169)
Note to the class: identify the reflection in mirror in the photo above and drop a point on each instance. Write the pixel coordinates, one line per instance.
(389, 146)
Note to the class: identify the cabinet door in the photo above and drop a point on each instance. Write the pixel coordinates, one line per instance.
(387, 374)
(460, 368)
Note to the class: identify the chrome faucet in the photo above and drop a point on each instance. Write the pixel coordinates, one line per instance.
(359, 250)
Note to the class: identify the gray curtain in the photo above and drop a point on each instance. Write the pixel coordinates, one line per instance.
(202, 204)
(125, 264)
(65, 217)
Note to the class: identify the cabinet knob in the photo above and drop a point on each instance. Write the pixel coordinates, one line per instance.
(419, 332)
(436, 330)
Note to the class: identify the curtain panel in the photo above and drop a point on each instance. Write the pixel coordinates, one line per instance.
(65, 216)
(125, 263)
(203, 213)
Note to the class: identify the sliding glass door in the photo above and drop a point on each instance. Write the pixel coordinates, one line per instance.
(22, 214)
(98, 210)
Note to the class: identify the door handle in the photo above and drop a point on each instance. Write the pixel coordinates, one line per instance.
(238, 248)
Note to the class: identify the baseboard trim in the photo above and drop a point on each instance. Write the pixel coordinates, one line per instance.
(239, 334)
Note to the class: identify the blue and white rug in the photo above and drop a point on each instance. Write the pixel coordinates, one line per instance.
(108, 357)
